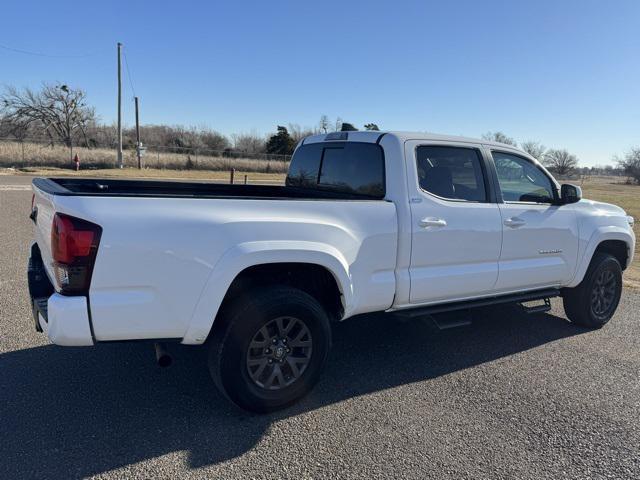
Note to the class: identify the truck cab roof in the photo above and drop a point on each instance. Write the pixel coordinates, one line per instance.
(373, 136)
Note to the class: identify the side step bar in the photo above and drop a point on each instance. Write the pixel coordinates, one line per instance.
(484, 302)
(447, 320)
(545, 307)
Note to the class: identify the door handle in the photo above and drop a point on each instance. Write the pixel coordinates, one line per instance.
(514, 222)
(433, 222)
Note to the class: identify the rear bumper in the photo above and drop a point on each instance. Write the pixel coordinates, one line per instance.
(67, 321)
(64, 319)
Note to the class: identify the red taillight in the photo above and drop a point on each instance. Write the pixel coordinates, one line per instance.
(71, 238)
(74, 244)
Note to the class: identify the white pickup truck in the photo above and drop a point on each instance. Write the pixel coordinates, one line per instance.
(410, 224)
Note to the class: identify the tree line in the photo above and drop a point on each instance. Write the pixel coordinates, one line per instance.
(60, 114)
(562, 162)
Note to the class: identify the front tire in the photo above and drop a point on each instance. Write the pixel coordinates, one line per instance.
(271, 349)
(594, 301)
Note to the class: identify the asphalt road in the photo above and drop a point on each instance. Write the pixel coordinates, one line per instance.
(512, 396)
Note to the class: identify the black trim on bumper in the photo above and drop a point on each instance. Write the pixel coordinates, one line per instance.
(40, 288)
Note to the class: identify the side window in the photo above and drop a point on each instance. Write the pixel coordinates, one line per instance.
(347, 167)
(521, 180)
(453, 173)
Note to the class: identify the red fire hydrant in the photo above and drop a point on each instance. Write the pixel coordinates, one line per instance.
(76, 160)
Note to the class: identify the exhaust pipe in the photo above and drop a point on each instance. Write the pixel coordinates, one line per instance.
(163, 358)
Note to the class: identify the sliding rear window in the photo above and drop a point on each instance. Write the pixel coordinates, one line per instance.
(346, 167)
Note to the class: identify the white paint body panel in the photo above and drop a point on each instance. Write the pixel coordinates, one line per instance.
(165, 264)
(541, 252)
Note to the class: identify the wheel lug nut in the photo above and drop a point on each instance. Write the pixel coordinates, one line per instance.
(266, 350)
(270, 361)
(273, 341)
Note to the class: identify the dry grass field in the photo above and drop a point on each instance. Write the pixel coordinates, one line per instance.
(614, 190)
(151, 173)
(19, 155)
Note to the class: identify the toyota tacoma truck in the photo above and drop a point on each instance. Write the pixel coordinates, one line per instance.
(408, 224)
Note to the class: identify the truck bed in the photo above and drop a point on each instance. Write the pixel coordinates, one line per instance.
(102, 187)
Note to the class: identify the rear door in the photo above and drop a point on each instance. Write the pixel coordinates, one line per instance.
(540, 238)
(456, 224)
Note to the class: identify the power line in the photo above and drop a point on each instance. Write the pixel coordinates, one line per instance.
(40, 54)
(126, 64)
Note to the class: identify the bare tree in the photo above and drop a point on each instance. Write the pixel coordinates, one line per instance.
(535, 149)
(57, 111)
(500, 138)
(11, 127)
(213, 140)
(560, 161)
(248, 142)
(630, 164)
(297, 132)
(338, 126)
(324, 123)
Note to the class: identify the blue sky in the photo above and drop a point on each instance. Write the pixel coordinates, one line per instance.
(563, 72)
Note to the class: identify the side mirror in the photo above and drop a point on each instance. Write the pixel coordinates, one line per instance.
(570, 193)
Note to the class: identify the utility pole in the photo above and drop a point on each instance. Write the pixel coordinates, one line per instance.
(138, 135)
(119, 105)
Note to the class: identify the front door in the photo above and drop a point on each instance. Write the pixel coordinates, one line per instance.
(540, 237)
(456, 227)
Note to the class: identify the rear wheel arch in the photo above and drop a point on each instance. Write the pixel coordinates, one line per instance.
(316, 280)
(244, 257)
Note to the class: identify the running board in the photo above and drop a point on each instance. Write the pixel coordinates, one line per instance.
(484, 302)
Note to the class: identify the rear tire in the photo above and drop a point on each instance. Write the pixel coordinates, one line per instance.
(594, 301)
(271, 348)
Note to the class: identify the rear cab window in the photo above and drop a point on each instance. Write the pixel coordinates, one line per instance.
(353, 168)
(451, 173)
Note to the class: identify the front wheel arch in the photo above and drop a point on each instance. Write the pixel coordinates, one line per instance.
(617, 249)
(604, 239)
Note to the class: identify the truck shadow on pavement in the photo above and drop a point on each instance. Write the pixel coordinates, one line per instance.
(74, 412)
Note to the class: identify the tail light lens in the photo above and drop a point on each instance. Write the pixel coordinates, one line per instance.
(74, 245)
